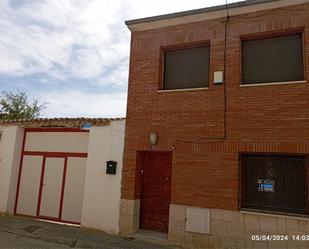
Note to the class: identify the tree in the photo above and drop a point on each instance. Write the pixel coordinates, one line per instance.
(18, 106)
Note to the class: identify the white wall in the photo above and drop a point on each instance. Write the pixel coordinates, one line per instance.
(10, 152)
(57, 141)
(101, 204)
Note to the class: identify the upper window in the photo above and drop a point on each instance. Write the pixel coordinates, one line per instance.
(186, 68)
(276, 59)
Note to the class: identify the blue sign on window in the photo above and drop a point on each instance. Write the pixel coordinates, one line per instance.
(266, 185)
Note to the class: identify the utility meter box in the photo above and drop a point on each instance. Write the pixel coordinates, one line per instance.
(218, 78)
(111, 167)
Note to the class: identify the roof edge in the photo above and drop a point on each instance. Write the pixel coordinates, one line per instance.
(207, 13)
(195, 11)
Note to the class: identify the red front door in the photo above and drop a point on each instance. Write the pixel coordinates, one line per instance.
(156, 191)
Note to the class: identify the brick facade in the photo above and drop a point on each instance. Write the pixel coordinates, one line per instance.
(206, 166)
(265, 118)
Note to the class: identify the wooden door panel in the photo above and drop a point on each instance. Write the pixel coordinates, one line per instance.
(74, 189)
(52, 185)
(29, 185)
(156, 191)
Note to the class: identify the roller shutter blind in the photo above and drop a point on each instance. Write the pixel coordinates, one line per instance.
(276, 59)
(186, 68)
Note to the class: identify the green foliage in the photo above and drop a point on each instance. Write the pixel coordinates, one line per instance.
(18, 106)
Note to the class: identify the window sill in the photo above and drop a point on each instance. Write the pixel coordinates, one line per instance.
(183, 90)
(273, 83)
(274, 214)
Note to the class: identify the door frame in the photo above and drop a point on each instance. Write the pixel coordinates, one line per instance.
(46, 154)
(142, 177)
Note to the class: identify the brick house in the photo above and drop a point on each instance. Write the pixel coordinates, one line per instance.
(222, 93)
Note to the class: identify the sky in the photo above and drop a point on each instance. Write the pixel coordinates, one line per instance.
(74, 54)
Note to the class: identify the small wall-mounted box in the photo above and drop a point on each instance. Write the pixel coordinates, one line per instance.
(218, 77)
(198, 220)
(111, 167)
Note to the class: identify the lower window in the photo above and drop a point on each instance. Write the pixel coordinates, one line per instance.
(274, 182)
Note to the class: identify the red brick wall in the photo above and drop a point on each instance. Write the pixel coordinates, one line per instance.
(273, 118)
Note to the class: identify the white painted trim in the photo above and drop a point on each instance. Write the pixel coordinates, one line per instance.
(213, 15)
(184, 89)
(273, 83)
(276, 215)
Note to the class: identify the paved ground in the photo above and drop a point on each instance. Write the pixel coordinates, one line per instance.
(24, 233)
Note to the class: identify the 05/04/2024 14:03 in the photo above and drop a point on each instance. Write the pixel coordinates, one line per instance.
(274, 237)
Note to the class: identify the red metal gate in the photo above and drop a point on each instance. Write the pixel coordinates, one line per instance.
(43, 156)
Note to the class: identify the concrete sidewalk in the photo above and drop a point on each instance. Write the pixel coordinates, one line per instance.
(24, 233)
